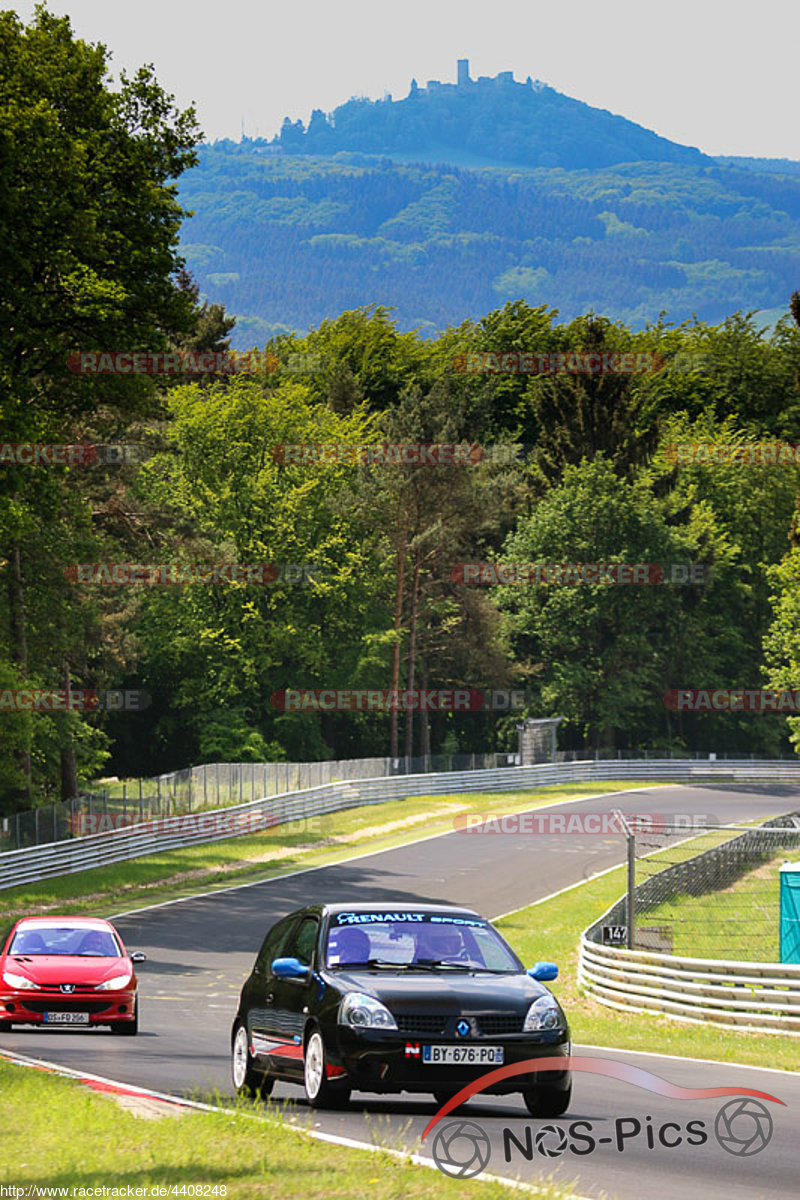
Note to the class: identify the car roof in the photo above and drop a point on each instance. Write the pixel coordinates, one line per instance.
(63, 922)
(399, 906)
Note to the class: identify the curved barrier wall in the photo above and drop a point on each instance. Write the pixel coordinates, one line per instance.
(150, 837)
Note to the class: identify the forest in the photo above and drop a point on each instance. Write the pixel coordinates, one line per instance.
(286, 240)
(185, 554)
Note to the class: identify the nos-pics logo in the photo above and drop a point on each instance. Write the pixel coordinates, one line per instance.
(743, 1126)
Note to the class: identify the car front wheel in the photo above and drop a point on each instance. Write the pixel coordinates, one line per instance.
(246, 1080)
(128, 1028)
(547, 1101)
(319, 1092)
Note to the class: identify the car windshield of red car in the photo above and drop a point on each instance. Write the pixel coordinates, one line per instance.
(65, 940)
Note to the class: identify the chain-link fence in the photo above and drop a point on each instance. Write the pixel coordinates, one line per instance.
(715, 894)
(111, 804)
(114, 804)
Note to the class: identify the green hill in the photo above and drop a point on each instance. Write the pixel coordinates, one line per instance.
(490, 120)
(462, 196)
(286, 241)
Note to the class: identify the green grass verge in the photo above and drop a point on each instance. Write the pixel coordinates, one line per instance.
(184, 872)
(58, 1134)
(551, 930)
(740, 921)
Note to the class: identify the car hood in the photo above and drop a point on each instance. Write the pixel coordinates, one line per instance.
(66, 968)
(421, 991)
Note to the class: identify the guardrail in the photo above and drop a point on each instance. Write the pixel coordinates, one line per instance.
(731, 994)
(213, 785)
(761, 997)
(150, 837)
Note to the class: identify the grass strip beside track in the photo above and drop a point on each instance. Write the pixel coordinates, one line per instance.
(369, 828)
(550, 930)
(740, 921)
(58, 1134)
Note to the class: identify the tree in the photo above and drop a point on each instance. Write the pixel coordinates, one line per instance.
(89, 226)
(579, 416)
(213, 656)
(598, 653)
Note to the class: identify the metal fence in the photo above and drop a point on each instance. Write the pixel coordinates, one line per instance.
(697, 934)
(165, 833)
(111, 804)
(715, 894)
(721, 903)
(114, 804)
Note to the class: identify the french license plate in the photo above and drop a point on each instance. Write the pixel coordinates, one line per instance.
(469, 1056)
(66, 1018)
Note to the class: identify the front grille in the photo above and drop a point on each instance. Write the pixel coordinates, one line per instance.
(76, 1005)
(499, 1023)
(422, 1024)
(56, 987)
(443, 1025)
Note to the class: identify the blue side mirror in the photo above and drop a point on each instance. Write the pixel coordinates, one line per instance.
(545, 972)
(289, 968)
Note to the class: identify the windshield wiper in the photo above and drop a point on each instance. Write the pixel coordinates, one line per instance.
(434, 964)
(370, 962)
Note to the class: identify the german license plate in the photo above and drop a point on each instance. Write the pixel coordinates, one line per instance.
(469, 1056)
(66, 1018)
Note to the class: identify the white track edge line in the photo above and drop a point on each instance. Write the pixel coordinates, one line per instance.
(712, 1062)
(335, 1139)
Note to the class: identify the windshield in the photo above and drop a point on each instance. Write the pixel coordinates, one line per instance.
(423, 941)
(65, 939)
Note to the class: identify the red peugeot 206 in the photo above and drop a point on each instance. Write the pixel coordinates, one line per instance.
(68, 971)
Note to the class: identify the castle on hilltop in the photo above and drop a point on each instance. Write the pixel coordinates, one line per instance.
(503, 79)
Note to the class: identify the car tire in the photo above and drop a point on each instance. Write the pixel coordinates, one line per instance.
(127, 1028)
(320, 1093)
(6, 1027)
(546, 1101)
(246, 1079)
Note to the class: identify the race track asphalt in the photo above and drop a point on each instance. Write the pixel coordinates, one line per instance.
(200, 951)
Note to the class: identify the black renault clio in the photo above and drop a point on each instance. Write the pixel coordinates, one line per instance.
(416, 998)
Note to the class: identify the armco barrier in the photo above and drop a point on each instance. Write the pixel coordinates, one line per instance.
(759, 996)
(150, 837)
(763, 997)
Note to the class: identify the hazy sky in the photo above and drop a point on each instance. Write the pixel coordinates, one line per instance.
(717, 74)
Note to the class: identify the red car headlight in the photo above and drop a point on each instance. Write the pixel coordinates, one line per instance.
(18, 981)
(115, 984)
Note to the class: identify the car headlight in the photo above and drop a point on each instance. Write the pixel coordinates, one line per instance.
(544, 1013)
(18, 981)
(361, 1011)
(115, 983)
